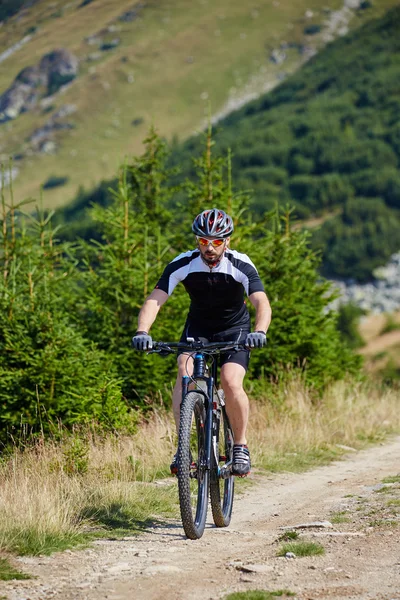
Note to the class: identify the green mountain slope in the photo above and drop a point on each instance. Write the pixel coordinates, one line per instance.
(144, 62)
(328, 141)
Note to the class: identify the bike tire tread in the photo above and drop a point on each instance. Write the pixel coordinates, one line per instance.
(192, 529)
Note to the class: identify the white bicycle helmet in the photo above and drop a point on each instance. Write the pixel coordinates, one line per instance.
(213, 223)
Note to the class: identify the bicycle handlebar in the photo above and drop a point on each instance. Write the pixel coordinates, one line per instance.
(193, 346)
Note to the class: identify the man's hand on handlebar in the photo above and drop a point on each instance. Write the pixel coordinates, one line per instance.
(256, 339)
(142, 341)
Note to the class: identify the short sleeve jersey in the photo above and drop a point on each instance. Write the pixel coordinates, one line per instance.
(216, 294)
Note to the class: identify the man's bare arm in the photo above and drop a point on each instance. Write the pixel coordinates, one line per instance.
(263, 310)
(150, 308)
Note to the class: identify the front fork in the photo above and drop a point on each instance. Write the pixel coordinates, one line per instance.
(212, 424)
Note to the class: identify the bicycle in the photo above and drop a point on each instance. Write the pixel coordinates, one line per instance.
(205, 441)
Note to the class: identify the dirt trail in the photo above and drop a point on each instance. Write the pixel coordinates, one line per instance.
(361, 561)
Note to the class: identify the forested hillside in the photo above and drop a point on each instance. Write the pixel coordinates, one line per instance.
(328, 141)
(70, 118)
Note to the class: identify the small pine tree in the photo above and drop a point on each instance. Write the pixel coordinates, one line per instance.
(48, 371)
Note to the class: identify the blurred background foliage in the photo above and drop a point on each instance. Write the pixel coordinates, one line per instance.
(327, 140)
(70, 309)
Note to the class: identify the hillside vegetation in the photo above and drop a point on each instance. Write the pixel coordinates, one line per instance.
(68, 311)
(147, 62)
(328, 140)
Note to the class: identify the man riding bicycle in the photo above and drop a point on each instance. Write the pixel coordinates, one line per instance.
(216, 279)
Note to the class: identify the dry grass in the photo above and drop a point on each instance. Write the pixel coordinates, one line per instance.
(381, 334)
(298, 431)
(54, 493)
(57, 494)
(372, 325)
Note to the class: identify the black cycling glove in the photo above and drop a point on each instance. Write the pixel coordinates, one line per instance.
(256, 339)
(142, 341)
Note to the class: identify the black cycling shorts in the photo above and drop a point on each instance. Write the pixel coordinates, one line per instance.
(237, 334)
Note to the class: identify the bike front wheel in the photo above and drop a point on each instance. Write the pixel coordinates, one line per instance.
(193, 475)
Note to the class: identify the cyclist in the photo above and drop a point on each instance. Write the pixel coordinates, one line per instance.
(216, 279)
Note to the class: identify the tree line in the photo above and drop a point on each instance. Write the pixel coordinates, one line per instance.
(327, 141)
(69, 308)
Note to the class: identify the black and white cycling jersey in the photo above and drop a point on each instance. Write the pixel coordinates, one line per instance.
(217, 293)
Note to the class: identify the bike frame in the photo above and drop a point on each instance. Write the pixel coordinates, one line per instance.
(200, 353)
(199, 374)
(200, 386)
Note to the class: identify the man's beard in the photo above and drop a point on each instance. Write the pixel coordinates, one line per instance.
(212, 262)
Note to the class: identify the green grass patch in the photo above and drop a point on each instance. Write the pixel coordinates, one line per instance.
(383, 490)
(340, 517)
(391, 479)
(288, 536)
(8, 572)
(390, 325)
(301, 549)
(259, 595)
(298, 462)
(33, 542)
(383, 523)
(121, 517)
(394, 502)
(112, 512)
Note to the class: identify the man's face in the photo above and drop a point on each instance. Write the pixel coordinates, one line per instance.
(210, 252)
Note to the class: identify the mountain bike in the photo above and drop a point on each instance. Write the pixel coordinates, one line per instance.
(205, 441)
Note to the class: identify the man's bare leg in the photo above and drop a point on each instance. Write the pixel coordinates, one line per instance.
(237, 402)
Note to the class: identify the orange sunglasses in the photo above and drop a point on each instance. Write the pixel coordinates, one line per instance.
(205, 242)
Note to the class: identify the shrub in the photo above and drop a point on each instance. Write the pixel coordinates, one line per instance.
(9, 8)
(312, 29)
(55, 181)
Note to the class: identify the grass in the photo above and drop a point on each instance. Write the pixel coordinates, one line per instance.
(391, 479)
(64, 492)
(9, 572)
(300, 548)
(383, 490)
(259, 595)
(383, 523)
(297, 431)
(173, 61)
(377, 510)
(340, 517)
(46, 507)
(288, 536)
(391, 325)
(394, 502)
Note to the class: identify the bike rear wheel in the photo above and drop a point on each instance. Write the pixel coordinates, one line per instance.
(222, 490)
(193, 475)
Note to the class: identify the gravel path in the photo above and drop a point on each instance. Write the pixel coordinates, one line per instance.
(361, 560)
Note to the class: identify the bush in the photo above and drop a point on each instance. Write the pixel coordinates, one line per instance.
(55, 181)
(348, 321)
(9, 8)
(312, 29)
(362, 238)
